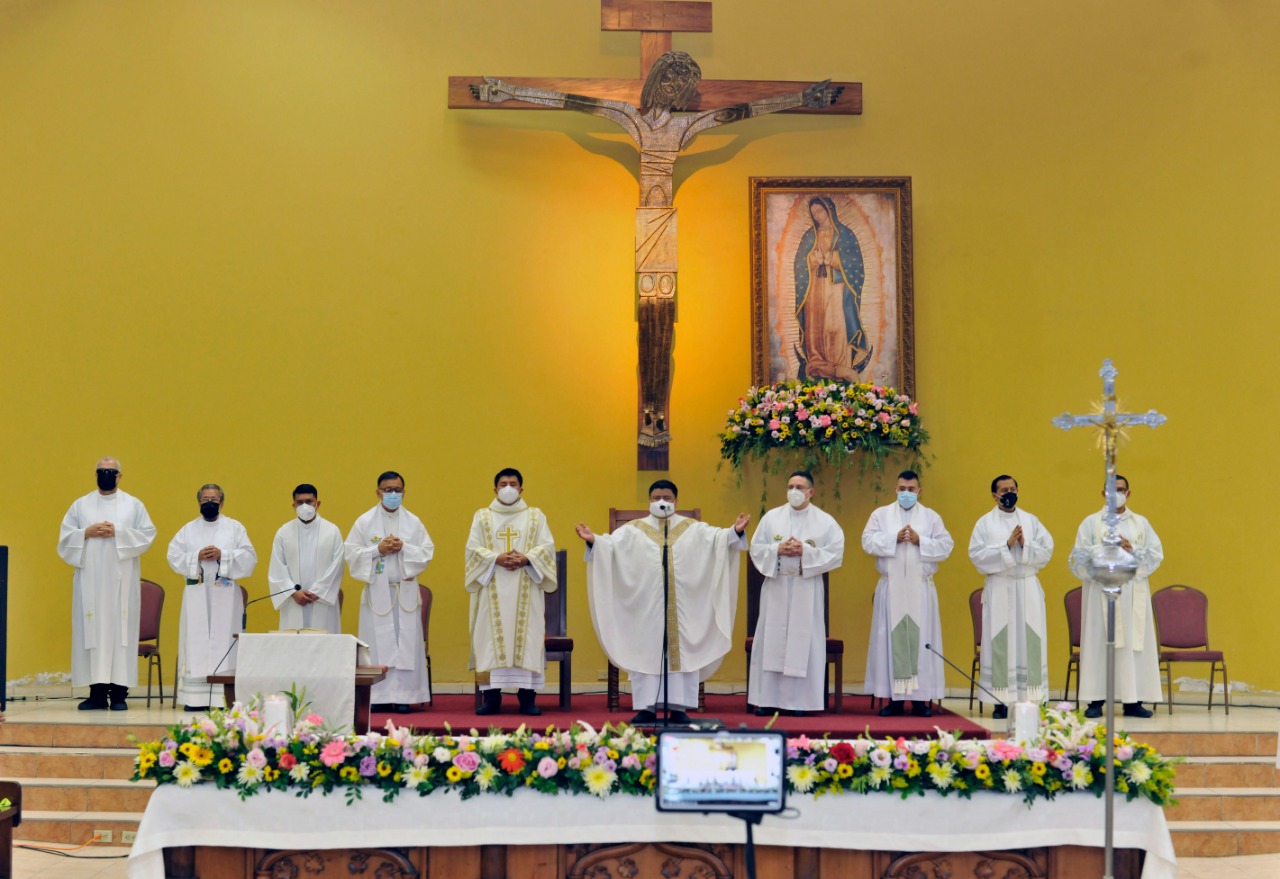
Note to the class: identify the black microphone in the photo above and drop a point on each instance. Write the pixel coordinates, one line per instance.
(929, 647)
(244, 611)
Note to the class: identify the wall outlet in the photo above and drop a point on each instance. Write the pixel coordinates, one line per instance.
(126, 836)
(102, 836)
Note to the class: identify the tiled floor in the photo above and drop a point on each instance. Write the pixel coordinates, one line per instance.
(1186, 718)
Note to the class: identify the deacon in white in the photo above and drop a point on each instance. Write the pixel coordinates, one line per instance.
(625, 589)
(388, 548)
(1137, 656)
(307, 552)
(511, 563)
(103, 535)
(212, 553)
(908, 541)
(1010, 546)
(794, 545)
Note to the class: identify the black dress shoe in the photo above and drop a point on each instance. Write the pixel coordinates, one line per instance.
(1000, 712)
(195, 707)
(385, 707)
(527, 704)
(92, 704)
(1094, 710)
(118, 695)
(403, 709)
(680, 717)
(761, 711)
(644, 718)
(921, 709)
(893, 709)
(491, 704)
(99, 698)
(1133, 709)
(791, 712)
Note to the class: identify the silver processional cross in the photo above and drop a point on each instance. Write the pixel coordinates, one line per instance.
(1110, 564)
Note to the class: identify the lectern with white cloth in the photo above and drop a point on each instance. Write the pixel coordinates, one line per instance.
(322, 665)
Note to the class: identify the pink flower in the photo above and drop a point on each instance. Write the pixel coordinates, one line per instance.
(467, 761)
(824, 421)
(1005, 750)
(166, 759)
(573, 763)
(774, 424)
(547, 767)
(333, 753)
(906, 422)
(631, 761)
(256, 758)
(861, 746)
(1124, 752)
(315, 719)
(802, 742)
(802, 413)
(883, 417)
(912, 408)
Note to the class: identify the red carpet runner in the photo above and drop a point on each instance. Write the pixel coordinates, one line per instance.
(458, 711)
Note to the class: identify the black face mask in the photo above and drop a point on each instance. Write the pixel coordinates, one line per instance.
(1009, 501)
(209, 509)
(107, 479)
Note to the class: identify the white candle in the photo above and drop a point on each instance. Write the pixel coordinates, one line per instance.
(1026, 723)
(276, 715)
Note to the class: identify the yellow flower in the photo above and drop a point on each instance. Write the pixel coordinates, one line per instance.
(349, 774)
(983, 772)
(646, 779)
(270, 774)
(541, 746)
(225, 765)
(384, 768)
(613, 755)
(203, 756)
(560, 763)
(453, 774)
(844, 770)
(186, 749)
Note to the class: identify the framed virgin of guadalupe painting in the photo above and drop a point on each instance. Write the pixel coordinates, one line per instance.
(831, 280)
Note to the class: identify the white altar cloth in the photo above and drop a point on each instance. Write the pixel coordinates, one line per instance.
(203, 815)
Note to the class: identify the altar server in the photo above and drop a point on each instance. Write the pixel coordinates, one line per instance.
(1137, 652)
(307, 552)
(908, 541)
(1010, 546)
(212, 553)
(388, 548)
(511, 563)
(793, 546)
(103, 535)
(625, 591)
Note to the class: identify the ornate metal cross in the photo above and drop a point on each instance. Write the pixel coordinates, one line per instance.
(1110, 422)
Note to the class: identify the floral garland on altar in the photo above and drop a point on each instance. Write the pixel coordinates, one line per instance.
(823, 421)
(230, 749)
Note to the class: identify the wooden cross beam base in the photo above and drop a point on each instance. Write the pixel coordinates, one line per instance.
(711, 93)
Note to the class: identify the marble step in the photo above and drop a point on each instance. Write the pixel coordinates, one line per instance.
(1211, 744)
(84, 794)
(1228, 771)
(38, 762)
(1224, 839)
(74, 828)
(79, 735)
(1225, 804)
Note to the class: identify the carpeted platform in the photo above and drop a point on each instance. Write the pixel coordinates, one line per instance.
(458, 711)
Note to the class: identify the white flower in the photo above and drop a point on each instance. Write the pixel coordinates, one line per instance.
(442, 755)
(802, 776)
(300, 773)
(920, 747)
(1138, 772)
(186, 773)
(415, 776)
(879, 775)
(249, 774)
(1081, 775)
(599, 779)
(485, 775)
(1012, 781)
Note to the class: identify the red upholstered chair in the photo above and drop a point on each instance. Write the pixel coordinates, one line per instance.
(152, 601)
(975, 614)
(1182, 628)
(617, 519)
(556, 641)
(835, 646)
(1071, 601)
(424, 594)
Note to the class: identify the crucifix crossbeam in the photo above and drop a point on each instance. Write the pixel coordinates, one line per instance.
(662, 113)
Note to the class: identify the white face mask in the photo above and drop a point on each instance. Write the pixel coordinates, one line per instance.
(796, 497)
(508, 494)
(305, 512)
(661, 509)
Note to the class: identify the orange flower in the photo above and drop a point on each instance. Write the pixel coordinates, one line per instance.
(511, 760)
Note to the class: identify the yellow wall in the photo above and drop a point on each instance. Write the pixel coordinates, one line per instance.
(246, 242)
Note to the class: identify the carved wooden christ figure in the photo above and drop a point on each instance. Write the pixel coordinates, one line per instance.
(660, 134)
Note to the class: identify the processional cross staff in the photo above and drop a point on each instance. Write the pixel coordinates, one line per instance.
(1110, 564)
(673, 85)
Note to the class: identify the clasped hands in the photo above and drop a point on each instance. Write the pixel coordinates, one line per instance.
(304, 597)
(390, 545)
(909, 535)
(512, 561)
(209, 554)
(792, 546)
(101, 529)
(1016, 537)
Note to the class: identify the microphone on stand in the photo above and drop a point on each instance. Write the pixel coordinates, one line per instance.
(967, 677)
(244, 611)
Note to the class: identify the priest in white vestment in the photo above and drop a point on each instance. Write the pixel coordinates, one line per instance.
(307, 552)
(793, 546)
(103, 535)
(908, 541)
(1010, 546)
(1137, 652)
(626, 595)
(510, 565)
(387, 548)
(212, 553)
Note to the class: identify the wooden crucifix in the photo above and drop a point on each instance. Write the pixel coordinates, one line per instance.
(646, 110)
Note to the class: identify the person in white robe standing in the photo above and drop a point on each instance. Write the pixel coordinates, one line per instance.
(103, 536)
(387, 548)
(793, 546)
(1010, 546)
(908, 541)
(307, 552)
(511, 564)
(212, 552)
(625, 589)
(1137, 653)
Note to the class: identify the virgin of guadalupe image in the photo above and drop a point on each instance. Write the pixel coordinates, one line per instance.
(829, 277)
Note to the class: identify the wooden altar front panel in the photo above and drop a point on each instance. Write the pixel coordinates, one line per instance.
(639, 861)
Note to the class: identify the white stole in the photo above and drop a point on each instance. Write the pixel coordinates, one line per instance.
(326, 541)
(787, 651)
(906, 601)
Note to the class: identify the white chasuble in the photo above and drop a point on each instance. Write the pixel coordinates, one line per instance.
(626, 595)
(1015, 657)
(904, 614)
(1137, 653)
(789, 652)
(507, 620)
(212, 607)
(390, 606)
(105, 596)
(307, 554)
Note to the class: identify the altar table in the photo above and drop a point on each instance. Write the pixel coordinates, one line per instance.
(532, 825)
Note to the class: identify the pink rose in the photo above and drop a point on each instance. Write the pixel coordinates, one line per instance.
(467, 761)
(166, 759)
(256, 758)
(333, 753)
(547, 767)
(1124, 752)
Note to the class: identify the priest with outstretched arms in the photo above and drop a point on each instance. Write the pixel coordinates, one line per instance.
(626, 594)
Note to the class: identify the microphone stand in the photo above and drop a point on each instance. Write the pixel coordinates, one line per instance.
(244, 617)
(967, 676)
